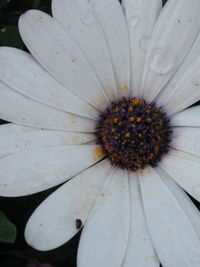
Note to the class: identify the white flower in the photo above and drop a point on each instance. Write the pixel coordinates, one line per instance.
(80, 62)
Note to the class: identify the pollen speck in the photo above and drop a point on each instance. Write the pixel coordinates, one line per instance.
(98, 154)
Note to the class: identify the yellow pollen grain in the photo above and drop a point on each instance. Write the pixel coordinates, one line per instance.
(148, 120)
(120, 123)
(132, 119)
(130, 109)
(98, 154)
(135, 102)
(139, 119)
(116, 137)
(140, 135)
(113, 130)
(115, 120)
(127, 135)
(102, 194)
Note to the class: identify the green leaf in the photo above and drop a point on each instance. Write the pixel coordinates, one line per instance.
(9, 36)
(8, 230)
(3, 3)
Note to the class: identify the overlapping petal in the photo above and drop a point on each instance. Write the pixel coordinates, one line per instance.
(54, 222)
(105, 236)
(78, 18)
(141, 17)
(22, 73)
(110, 15)
(140, 249)
(173, 235)
(15, 138)
(24, 111)
(173, 36)
(32, 171)
(184, 168)
(59, 54)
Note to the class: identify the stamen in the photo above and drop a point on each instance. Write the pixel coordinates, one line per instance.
(133, 133)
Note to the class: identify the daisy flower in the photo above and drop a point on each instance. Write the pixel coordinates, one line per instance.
(104, 98)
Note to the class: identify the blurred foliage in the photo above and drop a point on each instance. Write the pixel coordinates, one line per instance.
(18, 210)
(8, 230)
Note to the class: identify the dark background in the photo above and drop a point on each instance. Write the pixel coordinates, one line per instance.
(18, 210)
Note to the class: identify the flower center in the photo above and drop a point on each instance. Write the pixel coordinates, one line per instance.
(133, 133)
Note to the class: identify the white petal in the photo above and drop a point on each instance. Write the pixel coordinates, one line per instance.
(184, 169)
(172, 38)
(56, 51)
(15, 138)
(111, 17)
(21, 72)
(105, 235)
(172, 233)
(141, 17)
(78, 18)
(169, 90)
(25, 111)
(187, 90)
(32, 171)
(140, 251)
(183, 199)
(187, 139)
(54, 222)
(189, 117)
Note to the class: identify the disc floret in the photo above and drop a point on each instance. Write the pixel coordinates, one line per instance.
(134, 133)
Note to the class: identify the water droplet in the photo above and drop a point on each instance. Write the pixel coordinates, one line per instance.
(144, 42)
(87, 18)
(134, 21)
(163, 60)
(135, 4)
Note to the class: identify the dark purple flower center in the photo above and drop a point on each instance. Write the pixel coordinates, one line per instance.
(133, 133)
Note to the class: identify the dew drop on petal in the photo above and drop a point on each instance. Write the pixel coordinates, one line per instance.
(134, 21)
(163, 60)
(144, 42)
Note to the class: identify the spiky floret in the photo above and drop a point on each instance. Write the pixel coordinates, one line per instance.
(134, 133)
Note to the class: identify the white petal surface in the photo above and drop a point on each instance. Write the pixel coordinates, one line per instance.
(77, 17)
(25, 111)
(187, 139)
(170, 88)
(21, 72)
(141, 17)
(172, 233)
(184, 169)
(112, 20)
(54, 221)
(183, 199)
(140, 251)
(105, 236)
(56, 51)
(188, 117)
(32, 171)
(187, 90)
(172, 38)
(14, 138)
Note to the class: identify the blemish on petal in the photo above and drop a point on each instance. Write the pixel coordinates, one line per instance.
(98, 154)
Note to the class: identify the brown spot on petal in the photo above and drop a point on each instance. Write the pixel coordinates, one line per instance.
(98, 154)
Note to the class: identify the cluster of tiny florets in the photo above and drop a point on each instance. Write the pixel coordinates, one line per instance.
(133, 133)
